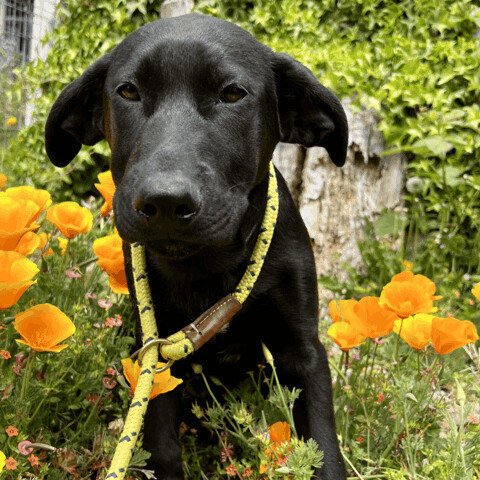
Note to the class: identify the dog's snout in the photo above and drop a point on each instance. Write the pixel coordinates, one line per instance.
(175, 200)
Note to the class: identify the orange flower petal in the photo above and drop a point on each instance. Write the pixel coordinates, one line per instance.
(279, 432)
(40, 197)
(43, 326)
(28, 243)
(163, 382)
(372, 320)
(342, 310)
(407, 298)
(70, 218)
(448, 334)
(107, 188)
(416, 330)
(476, 291)
(345, 335)
(109, 251)
(16, 273)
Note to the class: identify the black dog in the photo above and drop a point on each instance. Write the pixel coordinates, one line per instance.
(192, 108)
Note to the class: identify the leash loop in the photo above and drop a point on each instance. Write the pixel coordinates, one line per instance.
(141, 353)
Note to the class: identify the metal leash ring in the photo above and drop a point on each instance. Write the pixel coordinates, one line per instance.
(141, 353)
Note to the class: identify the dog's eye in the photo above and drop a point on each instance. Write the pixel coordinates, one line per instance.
(129, 92)
(232, 94)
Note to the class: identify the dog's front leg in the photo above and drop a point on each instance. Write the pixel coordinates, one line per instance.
(307, 368)
(162, 422)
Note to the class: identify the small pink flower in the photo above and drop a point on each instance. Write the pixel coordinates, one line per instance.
(113, 322)
(19, 358)
(109, 382)
(73, 274)
(90, 295)
(23, 447)
(471, 302)
(379, 341)
(457, 294)
(96, 325)
(88, 341)
(104, 303)
(355, 356)
(111, 371)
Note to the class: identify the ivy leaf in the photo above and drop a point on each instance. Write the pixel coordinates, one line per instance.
(435, 144)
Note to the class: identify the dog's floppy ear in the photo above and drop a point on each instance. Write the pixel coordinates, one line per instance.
(310, 114)
(76, 117)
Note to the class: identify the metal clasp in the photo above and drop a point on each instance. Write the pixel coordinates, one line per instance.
(141, 353)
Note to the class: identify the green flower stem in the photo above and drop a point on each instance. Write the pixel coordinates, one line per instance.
(26, 375)
(288, 410)
(236, 431)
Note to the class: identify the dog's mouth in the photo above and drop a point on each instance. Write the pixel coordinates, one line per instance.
(174, 249)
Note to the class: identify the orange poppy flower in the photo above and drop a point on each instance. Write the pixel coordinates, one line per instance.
(371, 319)
(42, 327)
(16, 219)
(346, 336)
(16, 273)
(162, 383)
(448, 334)
(342, 310)
(3, 180)
(28, 243)
(70, 218)
(44, 238)
(279, 434)
(476, 291)
(40, 197)
(416, 330)
(408, 294)
(107, 188)
(110, 259)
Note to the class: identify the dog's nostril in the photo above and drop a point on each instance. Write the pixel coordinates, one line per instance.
(184, 211)
(147, 210)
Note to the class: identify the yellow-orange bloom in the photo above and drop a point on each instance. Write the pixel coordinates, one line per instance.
(41, 198)
(42, 327)
(11, 122)
(342, 310)
(163, 382)
(476, 291)
(416, 330)
(448, 334)
(16, 219)
(107, 188)
(279, 437)
(3, 180)
(44, 238)
(28, 243)
(346, 336)
(16, 273)
(70, 218)
(110, 259)
(372, 320)
(408, 294)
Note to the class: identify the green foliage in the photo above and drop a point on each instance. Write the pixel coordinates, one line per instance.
(84, 32)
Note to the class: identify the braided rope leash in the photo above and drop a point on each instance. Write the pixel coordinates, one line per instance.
(178, 345)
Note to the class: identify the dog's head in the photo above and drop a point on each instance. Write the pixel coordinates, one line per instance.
(192, 108)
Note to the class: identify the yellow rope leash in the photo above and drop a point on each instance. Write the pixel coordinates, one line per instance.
(177, 346)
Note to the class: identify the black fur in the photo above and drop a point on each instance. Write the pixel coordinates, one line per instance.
(189, 162)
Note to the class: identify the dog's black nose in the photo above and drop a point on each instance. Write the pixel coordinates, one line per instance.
(177, 200)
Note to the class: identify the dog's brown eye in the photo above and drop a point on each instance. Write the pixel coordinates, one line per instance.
(129, 92)
(232, 94)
